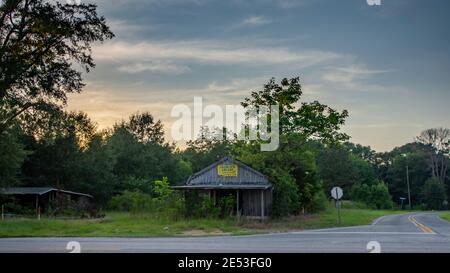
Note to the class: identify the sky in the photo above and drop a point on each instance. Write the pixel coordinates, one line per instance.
(388, 65)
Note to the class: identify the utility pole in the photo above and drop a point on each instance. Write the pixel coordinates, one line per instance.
(407, 181)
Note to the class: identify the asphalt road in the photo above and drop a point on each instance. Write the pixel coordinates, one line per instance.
(406, 233)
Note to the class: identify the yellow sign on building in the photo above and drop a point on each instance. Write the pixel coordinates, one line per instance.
(227, 170)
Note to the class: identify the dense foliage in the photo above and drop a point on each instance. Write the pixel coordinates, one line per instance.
(40, 43)
(131, 165)
(127, 168)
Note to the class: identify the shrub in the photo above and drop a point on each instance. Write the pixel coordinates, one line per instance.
(380, 197)
(132, 183)
(207, 208)
(163, 200)
(192, 203)
(131, 201)
(434, 194)
(361, 193)
(161, 189)
(375, 196)
(80, 208)
(285, 195)
(15, 208)
(320, 201)
(353, 205)
(226, 205)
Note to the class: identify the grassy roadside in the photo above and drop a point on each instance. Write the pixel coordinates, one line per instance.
(117, 224)
(325, 219)
(445, 215)
(144, 224)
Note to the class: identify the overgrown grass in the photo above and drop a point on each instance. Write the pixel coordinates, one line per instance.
(120, 224)
(325, 219)
(445, 215)
(116, 224)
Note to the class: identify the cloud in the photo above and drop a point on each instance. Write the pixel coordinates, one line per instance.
(106, 107)
(237, 84)
(351, 73)
(121, 3)
(359, 78)
(287, 4)
(255, 21)
(107, 104)
(386, 125)
(161, 67)
(211, 52)
(126, 26)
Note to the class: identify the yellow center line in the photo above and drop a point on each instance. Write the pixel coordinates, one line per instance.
(421, 226)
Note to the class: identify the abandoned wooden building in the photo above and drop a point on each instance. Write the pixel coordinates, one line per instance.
(252, 189)
(42, 197)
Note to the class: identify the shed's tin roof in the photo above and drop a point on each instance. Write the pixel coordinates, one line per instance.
(36, 191)
(246, 177)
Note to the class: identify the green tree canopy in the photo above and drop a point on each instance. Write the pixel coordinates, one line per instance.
(40, 41)
(145, 128)
(312, 120)
(12, 156)
(434, 194)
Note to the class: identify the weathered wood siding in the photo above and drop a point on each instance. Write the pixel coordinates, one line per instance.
(251, 202)
(252, 189)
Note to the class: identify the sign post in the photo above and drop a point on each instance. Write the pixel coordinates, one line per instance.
(401, 200)
(337, 194)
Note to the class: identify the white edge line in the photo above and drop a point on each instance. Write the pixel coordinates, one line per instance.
(364, 232)
(378, 220)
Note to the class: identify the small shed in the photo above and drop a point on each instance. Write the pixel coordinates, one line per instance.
(41, 197)
(252, 189)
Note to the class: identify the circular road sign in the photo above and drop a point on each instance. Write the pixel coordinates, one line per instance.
(337, 193)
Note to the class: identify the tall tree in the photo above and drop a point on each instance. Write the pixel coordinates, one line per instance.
(56, 149)
(396, 175)
(140, 163)
(434, 195)
(336, 167)
(206, 148)
(145, 128)
(364, 152)
(96, 171)
(438, 140)
(312, 120)
(12, 156)
(40, 41)
(46, 126)
(54, 163)
(292, 167)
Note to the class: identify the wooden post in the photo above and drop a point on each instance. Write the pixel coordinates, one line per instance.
(37, 202)
(3, 212)
(237, 203)
(262, 204)
(39, 213)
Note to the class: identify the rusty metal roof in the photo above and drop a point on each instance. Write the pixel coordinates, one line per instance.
(37, 191)
(223, 187)
(245, 178)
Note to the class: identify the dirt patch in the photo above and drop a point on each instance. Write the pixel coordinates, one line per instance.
(201, 232)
